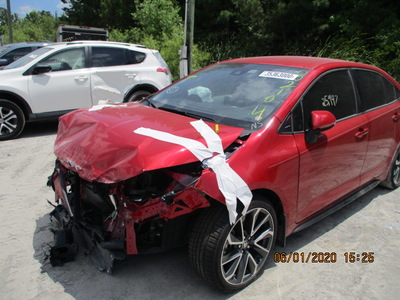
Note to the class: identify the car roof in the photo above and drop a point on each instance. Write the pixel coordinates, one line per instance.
(306, 62)
(102, 43)
(24, 44)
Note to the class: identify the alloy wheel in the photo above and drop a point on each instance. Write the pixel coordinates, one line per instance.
(396, 170)
(8, 120)
(247, 246)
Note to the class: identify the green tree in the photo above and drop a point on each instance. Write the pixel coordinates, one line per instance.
(3, 20)
(111, 14)
(359, 30)
(159, 26)
(83, 13)
(35, 26)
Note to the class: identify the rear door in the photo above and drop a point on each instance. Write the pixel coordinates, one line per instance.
(113, 73)
(330, 168)
(379, 101)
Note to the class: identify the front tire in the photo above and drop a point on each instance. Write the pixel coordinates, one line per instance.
(12, 120)
(231, 257)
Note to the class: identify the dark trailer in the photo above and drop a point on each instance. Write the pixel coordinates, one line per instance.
(69, 33)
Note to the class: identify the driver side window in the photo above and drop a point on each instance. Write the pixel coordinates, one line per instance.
(332, 92)
(71, 59)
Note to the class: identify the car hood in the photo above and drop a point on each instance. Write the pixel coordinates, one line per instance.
(100, 143)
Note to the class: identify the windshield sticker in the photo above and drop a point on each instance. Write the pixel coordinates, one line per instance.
(278, 75)
(173, 89)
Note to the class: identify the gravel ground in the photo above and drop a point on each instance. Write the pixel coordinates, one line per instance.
(370, 224)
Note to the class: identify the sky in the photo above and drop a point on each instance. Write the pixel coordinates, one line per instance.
(22, 7)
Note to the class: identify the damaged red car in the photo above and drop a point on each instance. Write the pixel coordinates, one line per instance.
(231, 160)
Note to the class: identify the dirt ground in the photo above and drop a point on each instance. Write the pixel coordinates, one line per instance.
(370, 224)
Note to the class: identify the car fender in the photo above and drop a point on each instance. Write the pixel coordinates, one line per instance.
(17, 99)
(147, 87)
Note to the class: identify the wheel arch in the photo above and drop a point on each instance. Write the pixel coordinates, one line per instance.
(276, 202)
(386, 182)
(18, 100)
(140, 87)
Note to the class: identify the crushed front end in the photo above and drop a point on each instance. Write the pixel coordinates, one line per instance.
(148, 213)
(119, 192)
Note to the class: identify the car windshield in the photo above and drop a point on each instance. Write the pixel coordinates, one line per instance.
(235, 94)
(4, 49)
(27, 58)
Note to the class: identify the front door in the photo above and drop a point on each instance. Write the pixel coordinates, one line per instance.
(66, 87)
(330, 168)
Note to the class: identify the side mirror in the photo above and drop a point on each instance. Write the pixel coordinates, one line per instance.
(3, 62)
(320, 120)
(40, 69)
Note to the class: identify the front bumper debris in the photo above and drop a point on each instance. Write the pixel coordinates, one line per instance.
(146, 214)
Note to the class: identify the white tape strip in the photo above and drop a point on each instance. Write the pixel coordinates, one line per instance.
(101, 106)
(231, 185)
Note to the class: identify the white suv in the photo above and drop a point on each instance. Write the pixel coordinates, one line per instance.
(56, 79)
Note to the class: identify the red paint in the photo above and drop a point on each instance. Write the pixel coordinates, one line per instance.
(322, 119)
(101, 145)
(300, 177)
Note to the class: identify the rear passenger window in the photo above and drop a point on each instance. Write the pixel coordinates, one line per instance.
(374, 89)
(108, 56)
(332, 92)
(135, 57)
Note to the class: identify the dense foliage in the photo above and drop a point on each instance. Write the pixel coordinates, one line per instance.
(360, 30)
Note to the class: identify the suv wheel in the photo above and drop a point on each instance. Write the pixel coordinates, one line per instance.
(12, 120)
(231, 257)
(392, 180)
(138, 95)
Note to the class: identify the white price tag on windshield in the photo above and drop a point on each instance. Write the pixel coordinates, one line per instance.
(278, 75)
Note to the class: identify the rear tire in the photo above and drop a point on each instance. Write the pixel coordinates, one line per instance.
(138, 95)
(392, 180)
(231, 257)
(12, 120)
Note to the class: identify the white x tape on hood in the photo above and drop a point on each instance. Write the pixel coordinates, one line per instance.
(231, 185)
(104, 103)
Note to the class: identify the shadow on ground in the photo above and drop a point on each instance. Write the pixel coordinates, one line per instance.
(39, 128)
(167, 275)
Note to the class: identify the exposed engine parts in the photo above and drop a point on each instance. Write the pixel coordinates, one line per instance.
(143, 214)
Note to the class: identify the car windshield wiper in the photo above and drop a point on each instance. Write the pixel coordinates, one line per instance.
(170, 109)
(149, 101)
(186, 113)
(197, 116)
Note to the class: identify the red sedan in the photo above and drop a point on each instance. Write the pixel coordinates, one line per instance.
(231, 159)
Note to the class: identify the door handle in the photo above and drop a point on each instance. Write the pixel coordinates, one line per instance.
(130, 75)
(395, 117)
(81, 78)
(361, 133)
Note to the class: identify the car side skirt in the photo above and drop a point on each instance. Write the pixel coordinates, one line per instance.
(48, 115)
(338, 205)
